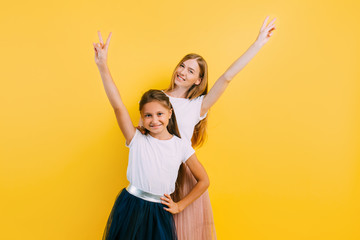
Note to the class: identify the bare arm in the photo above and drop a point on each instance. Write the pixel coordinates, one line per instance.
(121, 113)
(200, 187)
(222, 83)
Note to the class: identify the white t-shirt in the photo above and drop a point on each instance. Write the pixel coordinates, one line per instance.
(154, 164)
(187, 114)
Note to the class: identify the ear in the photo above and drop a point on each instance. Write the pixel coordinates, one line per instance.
(170, 111)
(198, 81)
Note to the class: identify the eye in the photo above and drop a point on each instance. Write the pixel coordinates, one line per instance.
(182, 65)
(160, 114)
(191, 71)
(147, 115)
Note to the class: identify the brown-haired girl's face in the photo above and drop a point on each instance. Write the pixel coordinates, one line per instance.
(187, 74)
(155, 117)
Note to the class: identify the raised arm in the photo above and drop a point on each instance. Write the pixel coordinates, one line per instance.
(224, 80)
(200, 187)
(121, 113)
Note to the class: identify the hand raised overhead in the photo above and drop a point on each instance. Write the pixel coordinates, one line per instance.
(266, 31)
(101, 50)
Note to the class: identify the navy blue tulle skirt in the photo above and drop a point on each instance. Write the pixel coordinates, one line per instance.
(134, 218)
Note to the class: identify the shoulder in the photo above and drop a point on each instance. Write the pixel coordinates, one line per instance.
(177, 140)
(198, 98)
(180, 142)
(137, 137)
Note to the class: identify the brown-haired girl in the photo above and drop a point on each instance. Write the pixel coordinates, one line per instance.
(144, 209)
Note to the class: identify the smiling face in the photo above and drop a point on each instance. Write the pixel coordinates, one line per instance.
(155, 117)
(187, 74)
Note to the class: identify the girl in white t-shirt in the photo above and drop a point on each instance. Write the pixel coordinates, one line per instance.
(188, 93)
(144, 209)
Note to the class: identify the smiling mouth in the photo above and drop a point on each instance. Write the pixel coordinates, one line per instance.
(180, 78)
(155, 126)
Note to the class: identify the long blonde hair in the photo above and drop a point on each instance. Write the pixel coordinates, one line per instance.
(195, 91)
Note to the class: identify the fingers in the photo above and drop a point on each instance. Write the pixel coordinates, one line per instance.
(270, 29)
(100, 38)
(272, 21)
(97, 46)
(167, 198)
(171, 205)
(108, 41)
(264, 23)
(166, 202)
(167, 209)
(268, 26)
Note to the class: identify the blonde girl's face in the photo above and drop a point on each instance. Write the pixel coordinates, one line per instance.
(155, 117)
(187, 74)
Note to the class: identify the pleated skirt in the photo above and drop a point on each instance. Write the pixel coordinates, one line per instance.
(196, 221)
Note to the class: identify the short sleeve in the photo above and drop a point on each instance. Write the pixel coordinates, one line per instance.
(134, 139)
(199, 101)
(188, 151)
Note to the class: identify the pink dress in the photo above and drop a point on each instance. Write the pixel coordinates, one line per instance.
(195, 222)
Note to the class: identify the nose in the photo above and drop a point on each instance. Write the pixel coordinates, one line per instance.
(154, 119)
(183, 71)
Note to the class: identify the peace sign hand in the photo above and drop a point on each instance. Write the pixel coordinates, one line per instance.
(101, 50)
(265, 31)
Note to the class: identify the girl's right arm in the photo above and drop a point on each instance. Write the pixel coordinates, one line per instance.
(121, 113)
(199, 188)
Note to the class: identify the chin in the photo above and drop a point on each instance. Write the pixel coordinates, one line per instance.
(181, 84)
(156, 130)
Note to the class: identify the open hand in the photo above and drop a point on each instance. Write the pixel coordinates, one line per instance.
(266, 31)
(101, 50)
(172, 206)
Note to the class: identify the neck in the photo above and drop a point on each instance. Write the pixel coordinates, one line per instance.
(178, 92)
(164, 135)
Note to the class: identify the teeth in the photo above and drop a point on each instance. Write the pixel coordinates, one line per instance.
(181, 78)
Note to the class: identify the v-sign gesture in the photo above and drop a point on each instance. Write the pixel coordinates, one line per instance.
(101, 50)
(266, 31)
(121, 113)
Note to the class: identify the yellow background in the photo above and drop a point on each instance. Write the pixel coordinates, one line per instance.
(281, 152)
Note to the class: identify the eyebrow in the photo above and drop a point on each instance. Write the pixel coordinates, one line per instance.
(188, 67)
(145, 113)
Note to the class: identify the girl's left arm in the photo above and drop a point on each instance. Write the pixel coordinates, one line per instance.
(200, 187)
(222, 83)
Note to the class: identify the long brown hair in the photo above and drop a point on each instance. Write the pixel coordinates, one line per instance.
(195, 91)
(157, 95)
